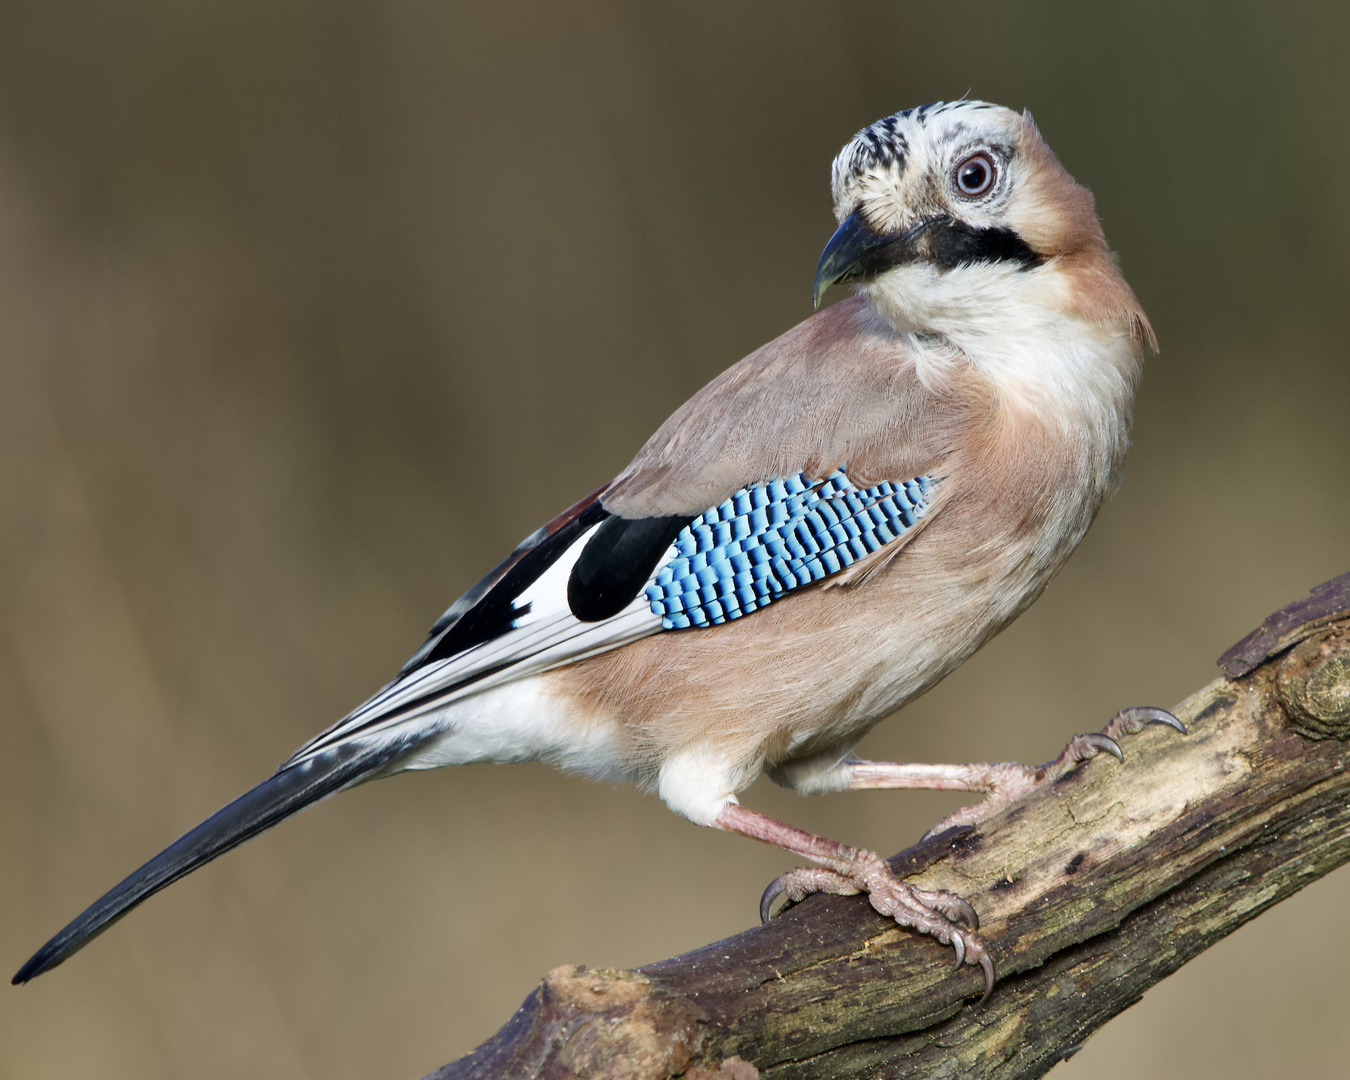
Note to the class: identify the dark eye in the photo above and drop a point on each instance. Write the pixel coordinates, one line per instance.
(975, 175)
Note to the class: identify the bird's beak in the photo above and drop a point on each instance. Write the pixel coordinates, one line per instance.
(856, 253)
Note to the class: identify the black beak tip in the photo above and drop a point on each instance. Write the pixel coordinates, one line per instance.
(824, 279)
(844, 256)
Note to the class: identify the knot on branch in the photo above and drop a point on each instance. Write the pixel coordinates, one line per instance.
(601, 1025)
(1314, 686)
(620, 1026)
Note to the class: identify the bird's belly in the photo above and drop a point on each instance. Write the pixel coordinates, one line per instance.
(812, 671)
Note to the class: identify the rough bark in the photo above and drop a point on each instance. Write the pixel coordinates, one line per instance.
(1088, 894)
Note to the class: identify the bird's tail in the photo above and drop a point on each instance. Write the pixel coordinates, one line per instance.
(275, 799)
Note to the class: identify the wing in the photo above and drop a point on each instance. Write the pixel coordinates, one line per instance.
(592, 580)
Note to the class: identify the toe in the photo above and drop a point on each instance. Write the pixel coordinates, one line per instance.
(1135, 718)
(967, 913)
(1099, 743)
(954, 907)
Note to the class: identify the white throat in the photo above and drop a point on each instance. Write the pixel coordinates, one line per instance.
(1015, 326)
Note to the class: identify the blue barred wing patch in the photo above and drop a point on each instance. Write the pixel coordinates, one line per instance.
(771, 538)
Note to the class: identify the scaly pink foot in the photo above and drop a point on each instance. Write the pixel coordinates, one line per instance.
(1005, 782)
(848, 871)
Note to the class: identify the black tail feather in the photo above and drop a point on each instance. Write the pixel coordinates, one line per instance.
(275, 799)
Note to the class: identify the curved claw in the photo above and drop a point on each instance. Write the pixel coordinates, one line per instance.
(1148, 714)
(1104, 743)
(959, 944)
(776, 889)
(987, 962)
(968, 914)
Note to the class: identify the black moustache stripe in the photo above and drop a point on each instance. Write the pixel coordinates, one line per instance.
(956, 244)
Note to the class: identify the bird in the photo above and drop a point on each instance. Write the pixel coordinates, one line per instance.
(817, 537)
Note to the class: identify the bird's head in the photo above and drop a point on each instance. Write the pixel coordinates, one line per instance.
(956, 216)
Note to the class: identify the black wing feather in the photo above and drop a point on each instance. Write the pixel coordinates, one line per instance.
(616, 563)
(488, 609)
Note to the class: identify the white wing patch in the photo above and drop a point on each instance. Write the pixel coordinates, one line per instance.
(545, 636)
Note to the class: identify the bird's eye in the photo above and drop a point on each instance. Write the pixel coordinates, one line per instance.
(975, 175)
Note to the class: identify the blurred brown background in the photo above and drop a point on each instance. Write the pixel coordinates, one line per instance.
(310, 310)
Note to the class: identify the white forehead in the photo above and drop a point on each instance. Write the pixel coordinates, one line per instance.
(913, 141)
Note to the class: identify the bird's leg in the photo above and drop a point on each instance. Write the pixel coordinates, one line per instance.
(849, 870)
(1003, 782)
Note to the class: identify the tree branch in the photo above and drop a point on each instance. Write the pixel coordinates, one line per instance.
(1088, 893)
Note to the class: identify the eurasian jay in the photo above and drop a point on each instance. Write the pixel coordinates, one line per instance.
(814, 539)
